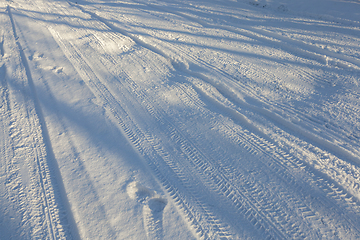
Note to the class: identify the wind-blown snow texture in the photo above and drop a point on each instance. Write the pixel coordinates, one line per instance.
(179, 119)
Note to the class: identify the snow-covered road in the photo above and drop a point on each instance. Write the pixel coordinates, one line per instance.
(180, 119)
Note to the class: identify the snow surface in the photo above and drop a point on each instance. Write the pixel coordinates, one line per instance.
(180, 119)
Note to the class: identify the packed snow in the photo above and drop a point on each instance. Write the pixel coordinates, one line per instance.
(179, 119)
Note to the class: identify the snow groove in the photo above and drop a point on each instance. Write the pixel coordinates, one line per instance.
(31, 142)
(140, 140)
(228, 92)
(226, 89)
(288, 163)
(152, 218)
(2, 51)
(247, 198)
(284, 165)
(193, 155)
(292, 46)
(236, 83)
(233, 96)
(204, 168)
(240, 197)
(13, 189)
(231, 113)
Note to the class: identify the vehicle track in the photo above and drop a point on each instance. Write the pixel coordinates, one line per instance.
(254, 95)
(278, 107)
(31, 147)
(262, 35)
(284, 176)
(264, 73)
(285, 165)
(135, 141)
(200, 166)
(205, 168)
(16, 191)
(247, 198)
(343, 189)
(183, 178)
(12, 188)
(258, 145)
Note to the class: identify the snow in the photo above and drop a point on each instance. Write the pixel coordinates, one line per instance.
(181, 119)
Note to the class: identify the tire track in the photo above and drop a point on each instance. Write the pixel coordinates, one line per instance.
(142, 98)
(12, 188)
(288, 178)
(141, 141)
(174, 135)
(30, 130)
(285, 165)
(224, 187)
(292, 46)
(307, 77)
(281, 39)
(200, 166)
(81, 64)
(309, 213)
(204, 168)
(17, 191)
(91, 203)
(227, 90)
(222, 183)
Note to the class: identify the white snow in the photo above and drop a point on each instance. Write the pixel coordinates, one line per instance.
(180, 119)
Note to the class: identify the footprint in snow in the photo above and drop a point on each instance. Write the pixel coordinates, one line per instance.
(153, 206)
(54, 69)
(36, 56)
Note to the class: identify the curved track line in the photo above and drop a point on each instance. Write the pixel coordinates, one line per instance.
(229, 93)
(285, 43)
(325, 143)
(138, 138)
(158, 52)
(220, 184)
